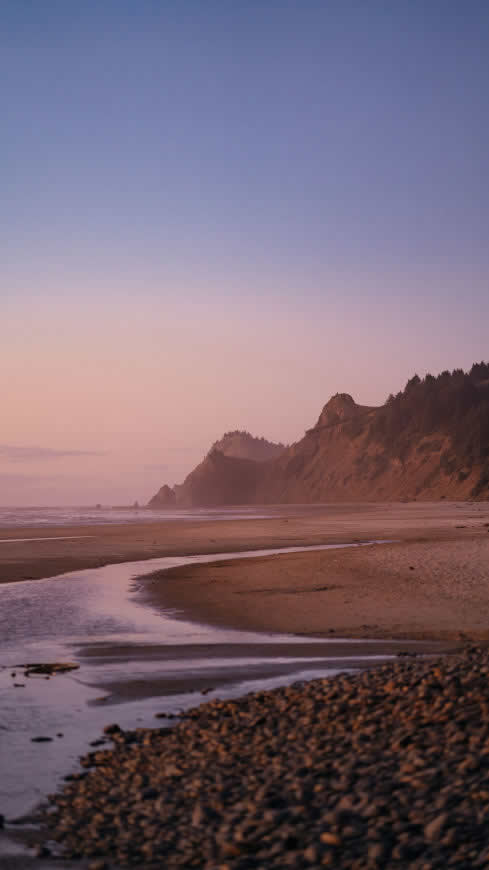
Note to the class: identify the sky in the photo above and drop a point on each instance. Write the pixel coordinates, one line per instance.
(214, 216)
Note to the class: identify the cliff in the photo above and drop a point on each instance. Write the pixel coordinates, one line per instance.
(220, 480)
(229, 471)
(429, 441)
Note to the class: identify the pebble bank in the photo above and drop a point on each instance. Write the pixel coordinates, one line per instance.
(383, 768)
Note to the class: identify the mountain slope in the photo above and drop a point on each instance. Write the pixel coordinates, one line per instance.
(430, 441)
(220, 480)
(165, 498)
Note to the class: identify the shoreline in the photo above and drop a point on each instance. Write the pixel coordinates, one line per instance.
(422, 588)
(229, 594)
(39, 552)
(58, 550)
(305, 656)
(430, 583)
(459, 531)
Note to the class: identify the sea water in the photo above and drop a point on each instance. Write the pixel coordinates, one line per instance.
(94, 617)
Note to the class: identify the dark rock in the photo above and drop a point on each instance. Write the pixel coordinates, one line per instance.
(112, 729)
(49, 668)
(385, 768)
(434, 828)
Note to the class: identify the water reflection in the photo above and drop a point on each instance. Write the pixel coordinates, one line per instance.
(131, 656)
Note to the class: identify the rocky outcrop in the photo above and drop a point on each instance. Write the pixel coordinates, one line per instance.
(339, 408)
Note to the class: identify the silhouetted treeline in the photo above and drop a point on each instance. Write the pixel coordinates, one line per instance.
(454, 403)
(247, 436)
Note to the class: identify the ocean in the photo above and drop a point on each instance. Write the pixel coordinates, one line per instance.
(18, 517)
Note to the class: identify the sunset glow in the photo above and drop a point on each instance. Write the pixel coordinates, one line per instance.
(216, 217)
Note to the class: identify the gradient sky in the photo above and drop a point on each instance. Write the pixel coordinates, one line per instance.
(216, 214)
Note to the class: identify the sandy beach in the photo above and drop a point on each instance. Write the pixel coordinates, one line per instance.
(29, 553)
(414, 589)
(431, 582)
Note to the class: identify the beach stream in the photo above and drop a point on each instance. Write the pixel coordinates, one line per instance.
(133, 662)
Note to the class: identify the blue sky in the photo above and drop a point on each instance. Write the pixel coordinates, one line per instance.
(292, 194)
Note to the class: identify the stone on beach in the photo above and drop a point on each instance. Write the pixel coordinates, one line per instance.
(386, 768)
(48, 668)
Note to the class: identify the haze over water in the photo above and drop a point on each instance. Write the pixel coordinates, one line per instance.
(68, 516)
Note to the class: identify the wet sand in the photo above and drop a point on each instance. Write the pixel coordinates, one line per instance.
(48, 551)
(57, 550)
(245, 661)
(431, 583)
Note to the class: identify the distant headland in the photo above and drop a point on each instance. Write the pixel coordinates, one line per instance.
(429, 441)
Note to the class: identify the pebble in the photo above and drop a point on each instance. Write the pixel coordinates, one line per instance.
(383, 768)
(330, 839)
(433, 829)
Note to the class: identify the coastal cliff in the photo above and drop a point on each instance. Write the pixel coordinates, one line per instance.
(430, 441)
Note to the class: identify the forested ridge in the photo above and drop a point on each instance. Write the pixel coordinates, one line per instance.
(429, 441)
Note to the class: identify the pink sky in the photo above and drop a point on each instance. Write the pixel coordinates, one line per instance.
(214, 216)
(115, 397)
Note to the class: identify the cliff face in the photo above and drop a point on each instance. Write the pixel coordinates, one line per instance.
(220, 480)
(430, 441)
(228, 474)
(340, 407)
(339, 463)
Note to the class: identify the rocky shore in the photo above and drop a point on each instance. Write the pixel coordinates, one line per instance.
(384, 768)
